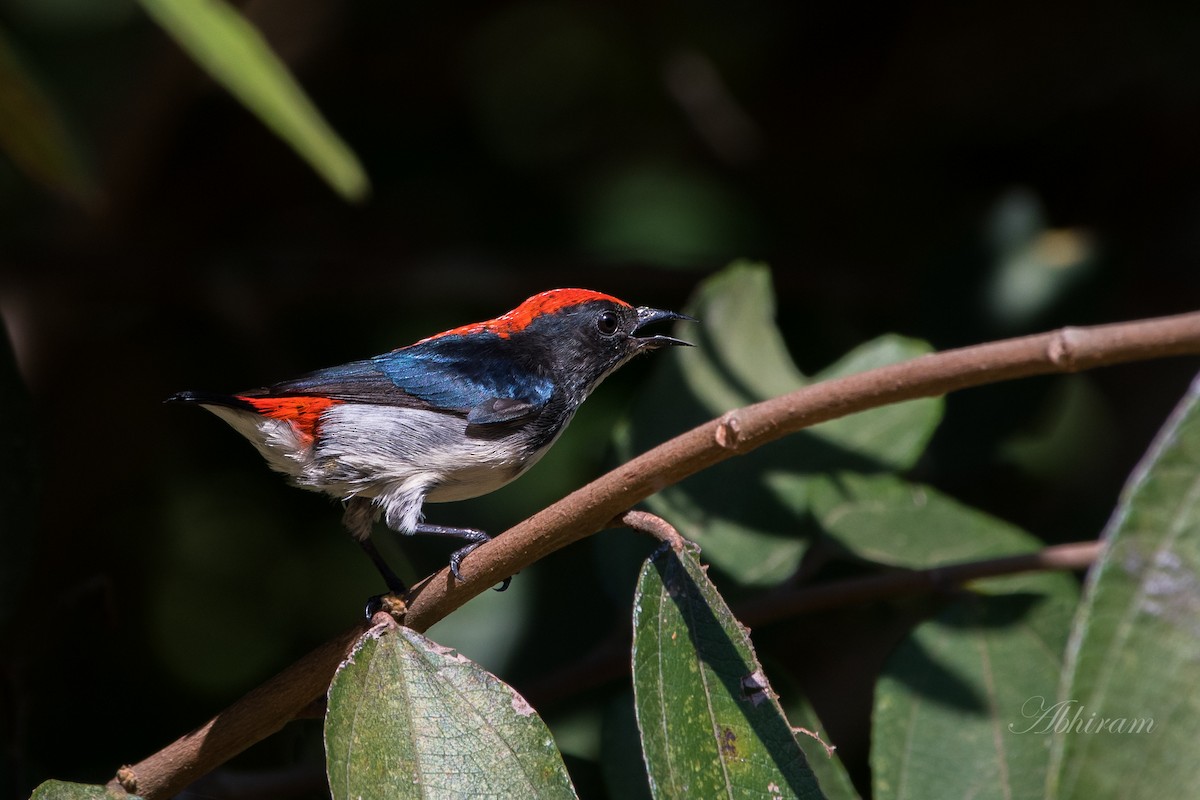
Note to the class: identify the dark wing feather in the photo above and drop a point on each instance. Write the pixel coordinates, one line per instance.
(356, 382)
(443, 374)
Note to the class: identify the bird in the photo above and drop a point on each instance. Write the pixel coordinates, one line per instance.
(453, 416)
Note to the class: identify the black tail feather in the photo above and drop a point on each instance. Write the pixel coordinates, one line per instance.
(210, 399)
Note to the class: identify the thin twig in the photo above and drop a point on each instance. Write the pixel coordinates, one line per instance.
(609, 660)
(656, 526)
(788, 602)
(590, 508)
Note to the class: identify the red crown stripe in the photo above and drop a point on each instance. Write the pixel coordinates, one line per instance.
(520, 317)
(303, 412)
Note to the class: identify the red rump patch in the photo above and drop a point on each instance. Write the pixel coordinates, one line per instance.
(303, 412)
(519, 318)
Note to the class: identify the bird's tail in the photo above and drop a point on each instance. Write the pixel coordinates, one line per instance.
(212, 399)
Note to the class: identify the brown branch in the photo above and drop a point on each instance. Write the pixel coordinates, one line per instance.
(251, 719)
(590, 508)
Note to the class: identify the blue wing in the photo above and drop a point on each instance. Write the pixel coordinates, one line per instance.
(445, 374)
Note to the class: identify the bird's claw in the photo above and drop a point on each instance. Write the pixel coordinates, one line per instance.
(456, 559)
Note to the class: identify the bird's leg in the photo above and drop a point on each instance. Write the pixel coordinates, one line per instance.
(358, 519)
(474, 536)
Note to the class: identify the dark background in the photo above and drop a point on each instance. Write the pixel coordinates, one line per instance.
(898, 168)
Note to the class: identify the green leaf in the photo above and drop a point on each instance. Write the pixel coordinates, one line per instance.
(34, 134)
(61, 790)
(895, 435)
(749, 514)
(956, 690)
(951, 716)
(1129, 713)
(885, 519)
(409, 718)
(711, 725)
(233, 52)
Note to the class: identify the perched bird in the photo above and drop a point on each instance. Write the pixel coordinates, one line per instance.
(453, 416)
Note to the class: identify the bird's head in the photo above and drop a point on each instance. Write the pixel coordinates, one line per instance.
(577, 335)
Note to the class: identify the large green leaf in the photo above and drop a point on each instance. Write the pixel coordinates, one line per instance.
(954, 693)
(409, 718)
(711, 725)
(885, 519)
(233, 52)
(748, 514)
(61, 790)
(951, 708)
(893, 435)
(1128, 716)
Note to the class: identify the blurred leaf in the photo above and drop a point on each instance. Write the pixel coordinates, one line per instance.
(18, 481)
(1130, 711)
(409, 718)
(885, 519)
(710, 723)
(951, 708)
(740, 356)
(750, 514)
(33, 133)
(545, 79)
(1064, 446)
(662, 214)
(1034, 265)
(233, 52)
(61, 790)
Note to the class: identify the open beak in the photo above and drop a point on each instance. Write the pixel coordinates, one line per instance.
(649, 316)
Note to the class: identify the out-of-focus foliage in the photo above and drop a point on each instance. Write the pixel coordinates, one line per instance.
(234, 53)
(948, 175)
(32, 132)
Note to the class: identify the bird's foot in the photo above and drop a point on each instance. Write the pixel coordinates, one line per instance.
(391, 603)
(457, 556)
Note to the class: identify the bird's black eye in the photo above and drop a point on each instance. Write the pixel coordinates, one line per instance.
(607, 323)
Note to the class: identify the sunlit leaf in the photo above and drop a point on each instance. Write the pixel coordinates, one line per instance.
(749, 514)
(894, 435)
(233, 52)
(888, 520)
(1130, 710)
(710, 723)
(409, 718)
(61, 790)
